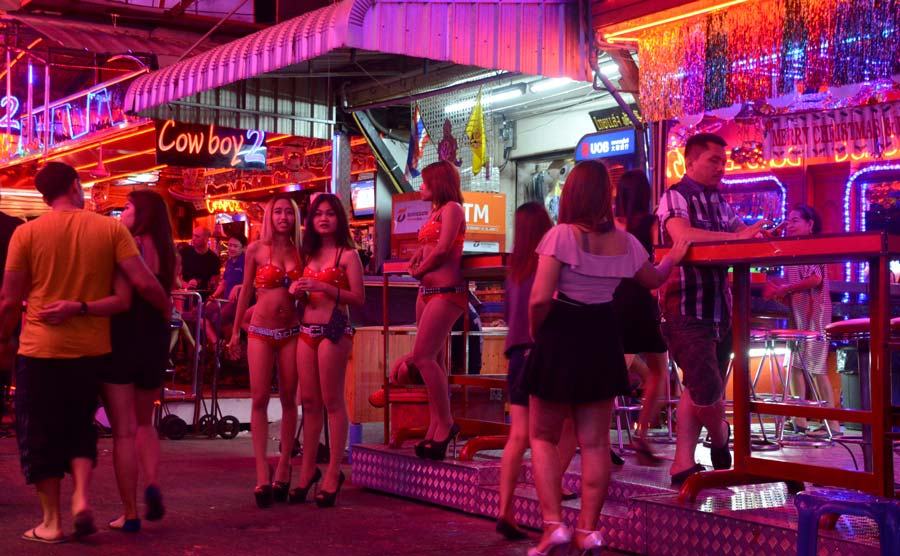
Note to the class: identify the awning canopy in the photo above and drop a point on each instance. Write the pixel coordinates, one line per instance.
(294, 68)
(168, 46)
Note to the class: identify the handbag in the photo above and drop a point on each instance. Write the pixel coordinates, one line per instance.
(336, 326)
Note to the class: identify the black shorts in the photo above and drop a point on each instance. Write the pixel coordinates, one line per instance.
(56, 400)
(702, 350)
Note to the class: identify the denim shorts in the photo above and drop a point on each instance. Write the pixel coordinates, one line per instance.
(702, 349)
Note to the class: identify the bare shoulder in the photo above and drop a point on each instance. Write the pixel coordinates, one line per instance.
(453, 207)
(255, 249)
(350, 257)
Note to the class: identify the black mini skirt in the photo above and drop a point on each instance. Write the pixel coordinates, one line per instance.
(577, 356)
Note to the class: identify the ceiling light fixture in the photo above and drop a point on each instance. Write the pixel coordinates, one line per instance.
(545, 85)
(493, 97)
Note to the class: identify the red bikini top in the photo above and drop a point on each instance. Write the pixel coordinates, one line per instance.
(430, 232)
(269, 276)
(334, 275)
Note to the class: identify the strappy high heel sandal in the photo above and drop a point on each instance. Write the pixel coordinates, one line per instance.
(263, 493)
(560, 541)
(592, 544)
(327, 499)
(437, 450)
(298, 495)
(280, 488)
(420, 447)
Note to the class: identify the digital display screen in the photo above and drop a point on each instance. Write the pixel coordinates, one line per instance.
(362, 198)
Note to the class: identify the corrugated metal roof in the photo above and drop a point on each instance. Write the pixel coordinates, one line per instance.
(92, 37)
(539, 37)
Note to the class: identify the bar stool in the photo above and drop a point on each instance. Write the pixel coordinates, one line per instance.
(792, 338)
(811, 505)
(760, 338)
(673, 395)
(623, 409)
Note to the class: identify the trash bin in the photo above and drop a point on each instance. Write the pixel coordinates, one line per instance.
(848, 368)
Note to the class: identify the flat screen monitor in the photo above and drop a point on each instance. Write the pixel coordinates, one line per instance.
(362, 198)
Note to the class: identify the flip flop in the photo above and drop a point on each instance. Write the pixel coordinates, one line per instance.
(34, 537)
(84, 524)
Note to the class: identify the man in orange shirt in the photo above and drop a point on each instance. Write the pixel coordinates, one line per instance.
(68, 253)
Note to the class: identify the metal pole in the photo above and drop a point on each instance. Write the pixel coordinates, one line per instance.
(47, 110)
(30, 105)
(8, 100)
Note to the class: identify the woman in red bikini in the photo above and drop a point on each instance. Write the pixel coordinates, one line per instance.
(442, 298)
(332, 281)
(272, 263)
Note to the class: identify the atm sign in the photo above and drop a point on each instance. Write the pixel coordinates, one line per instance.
(605, 145)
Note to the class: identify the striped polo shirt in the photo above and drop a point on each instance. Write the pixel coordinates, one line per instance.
(697, 291)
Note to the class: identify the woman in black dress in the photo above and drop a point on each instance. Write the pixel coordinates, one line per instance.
(140, 348)
(637, 310)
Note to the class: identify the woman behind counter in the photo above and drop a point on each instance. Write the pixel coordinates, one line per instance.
(806, 292)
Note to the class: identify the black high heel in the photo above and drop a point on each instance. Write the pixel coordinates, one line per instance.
(298, 495)
(280, 488)
(327, 499)
(420, 448)
(438, 450)
(263, 493)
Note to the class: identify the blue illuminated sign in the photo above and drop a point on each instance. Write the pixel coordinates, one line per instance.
(605, 145)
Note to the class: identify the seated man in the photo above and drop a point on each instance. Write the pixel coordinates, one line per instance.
(228, 288)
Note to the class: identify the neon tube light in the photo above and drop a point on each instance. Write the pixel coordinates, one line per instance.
(701, 11)
(848, 195)
(276, 186)
(19, 57)
(761, 179)
(118, 158)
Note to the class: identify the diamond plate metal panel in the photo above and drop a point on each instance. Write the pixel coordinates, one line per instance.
(737, 521)
(642, 514)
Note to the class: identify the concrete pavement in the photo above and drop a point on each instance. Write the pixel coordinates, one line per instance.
(208, 488)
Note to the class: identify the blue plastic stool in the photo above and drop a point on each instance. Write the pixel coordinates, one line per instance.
(356, 436)
(811, 505)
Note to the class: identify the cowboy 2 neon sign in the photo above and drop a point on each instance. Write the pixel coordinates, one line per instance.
(209, 146)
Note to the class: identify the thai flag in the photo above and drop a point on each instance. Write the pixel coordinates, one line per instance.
(418, 138)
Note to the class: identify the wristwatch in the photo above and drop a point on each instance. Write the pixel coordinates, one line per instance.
(82, 311)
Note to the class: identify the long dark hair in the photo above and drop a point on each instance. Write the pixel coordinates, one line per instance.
(633, 198)
(587, 197)
(312, 239)
(443, 181)
(151, 218)
(532, 222)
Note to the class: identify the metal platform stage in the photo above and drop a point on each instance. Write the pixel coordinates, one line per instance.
(642, 513)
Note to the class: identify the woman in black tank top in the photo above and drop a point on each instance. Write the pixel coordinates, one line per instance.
(637, 311)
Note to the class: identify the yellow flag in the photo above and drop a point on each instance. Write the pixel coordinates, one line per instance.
(475, 132)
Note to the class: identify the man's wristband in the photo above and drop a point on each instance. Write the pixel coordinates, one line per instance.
(82, 311)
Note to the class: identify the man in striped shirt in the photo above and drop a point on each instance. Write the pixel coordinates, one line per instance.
(697, 302)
